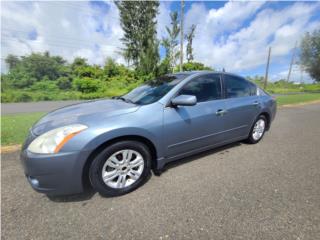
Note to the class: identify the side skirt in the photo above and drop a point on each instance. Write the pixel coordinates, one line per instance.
(163, 161)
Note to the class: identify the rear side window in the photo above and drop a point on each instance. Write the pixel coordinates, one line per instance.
(238, 87)
(205, 88)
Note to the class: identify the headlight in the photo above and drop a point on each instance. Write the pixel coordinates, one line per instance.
(53, 141)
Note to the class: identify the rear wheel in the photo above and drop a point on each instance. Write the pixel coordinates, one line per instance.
(258, 129)
(120, 168)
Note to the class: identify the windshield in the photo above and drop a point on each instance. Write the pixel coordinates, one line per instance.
(153, 90)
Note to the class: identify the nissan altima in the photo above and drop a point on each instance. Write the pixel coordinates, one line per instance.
(113, 144)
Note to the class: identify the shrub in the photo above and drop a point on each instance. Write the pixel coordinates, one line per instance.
(193, 66)
(86, 85)
(64, 83)
(49, 86)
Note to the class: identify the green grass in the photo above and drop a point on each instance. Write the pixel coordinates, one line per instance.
(14, 127)
(297, 98)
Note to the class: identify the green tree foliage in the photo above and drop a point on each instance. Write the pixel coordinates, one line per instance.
(86, 84)
(194, 66)
(310, 54)
(190, 36)
(64, 83)
(138, 21)
(171, 42)
(12, 61)
(27, 70)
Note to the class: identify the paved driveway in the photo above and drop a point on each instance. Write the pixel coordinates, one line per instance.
(29, 107)
(266, 191)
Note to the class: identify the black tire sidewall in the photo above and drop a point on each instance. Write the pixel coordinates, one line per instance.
(97, 165)
(250, 138)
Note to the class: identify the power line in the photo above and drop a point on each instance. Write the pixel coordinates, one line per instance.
(61, 44)
(51, 36)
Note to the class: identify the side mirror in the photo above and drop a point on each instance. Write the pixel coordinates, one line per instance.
(184, 100)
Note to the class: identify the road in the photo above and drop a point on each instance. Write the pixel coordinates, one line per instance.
(266, 191)
(29, 107)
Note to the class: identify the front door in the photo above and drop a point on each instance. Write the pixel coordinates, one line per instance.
(187, 128)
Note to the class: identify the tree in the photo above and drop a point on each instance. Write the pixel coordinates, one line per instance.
(310, 54)
(12, 61)
(194, 66)
(171, 42)
(138, 21)
(189, 38)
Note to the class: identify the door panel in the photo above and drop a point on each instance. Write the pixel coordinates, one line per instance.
(190, 127)
(240, 115)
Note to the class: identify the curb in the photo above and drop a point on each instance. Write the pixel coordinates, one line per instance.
(9, 149)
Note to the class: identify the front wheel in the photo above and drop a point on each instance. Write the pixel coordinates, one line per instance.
(120, 168)
(258, 130)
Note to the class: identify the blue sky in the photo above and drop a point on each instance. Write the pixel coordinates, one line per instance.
(232, 35)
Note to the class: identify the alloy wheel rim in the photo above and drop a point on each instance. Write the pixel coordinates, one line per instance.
(258, 129)
(122, 168)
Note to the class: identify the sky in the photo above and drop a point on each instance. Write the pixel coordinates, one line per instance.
(232, 35)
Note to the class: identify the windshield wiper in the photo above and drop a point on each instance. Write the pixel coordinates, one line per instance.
(124, 99)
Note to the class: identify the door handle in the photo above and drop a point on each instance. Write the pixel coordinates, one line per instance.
(255, 103)
(221, 112)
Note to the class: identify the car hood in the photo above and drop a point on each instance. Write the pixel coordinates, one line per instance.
(87, 113)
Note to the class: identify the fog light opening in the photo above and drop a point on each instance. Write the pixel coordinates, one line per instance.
(34, 182)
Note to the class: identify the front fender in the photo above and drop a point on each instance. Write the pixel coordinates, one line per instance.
(122, 132)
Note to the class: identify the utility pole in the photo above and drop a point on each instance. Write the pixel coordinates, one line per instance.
(267, 70)
(301, 73)
(292, 61)
(181, 34)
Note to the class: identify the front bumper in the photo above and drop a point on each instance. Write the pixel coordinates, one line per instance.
(54, 174)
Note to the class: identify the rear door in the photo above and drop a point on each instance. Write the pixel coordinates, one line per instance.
(188, 128)
(242, 105)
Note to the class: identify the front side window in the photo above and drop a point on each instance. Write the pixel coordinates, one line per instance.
(205, 88)
(238, 87)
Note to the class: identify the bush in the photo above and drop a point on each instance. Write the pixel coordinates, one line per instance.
(16, 96)
(49, 86)
(193, 66)
(86, 85)
(64, 83)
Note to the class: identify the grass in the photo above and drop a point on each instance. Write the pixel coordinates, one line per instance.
(297, 98)
(14, 127)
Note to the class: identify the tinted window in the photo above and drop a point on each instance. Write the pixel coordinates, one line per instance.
(205, 88)
(238, 87)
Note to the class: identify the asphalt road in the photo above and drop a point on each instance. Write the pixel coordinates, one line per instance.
(29, 107)
(266, 191)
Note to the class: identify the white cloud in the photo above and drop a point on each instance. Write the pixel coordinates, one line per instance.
(237, 35)
(62, 28)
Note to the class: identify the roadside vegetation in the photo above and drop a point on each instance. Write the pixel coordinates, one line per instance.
(297, 98)
(14, 127)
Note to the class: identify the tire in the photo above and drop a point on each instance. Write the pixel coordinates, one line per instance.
(254, 137)
(122, 168)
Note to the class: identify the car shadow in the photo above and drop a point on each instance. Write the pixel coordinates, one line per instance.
(90, 192)
(178, 162)
(80, 197)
